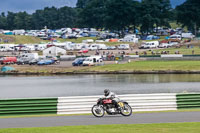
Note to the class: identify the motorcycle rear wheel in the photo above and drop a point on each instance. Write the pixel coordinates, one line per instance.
(126, 110)
(98, 111)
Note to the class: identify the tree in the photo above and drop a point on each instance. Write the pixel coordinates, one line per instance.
(67, 17)
(154, 13)
(119, 14)
(22, 20)
(82, 3)
(93, 14)
(11, 20)
(188, 14)
(3, 21)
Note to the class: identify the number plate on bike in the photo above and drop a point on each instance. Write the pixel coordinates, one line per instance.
(121, 104)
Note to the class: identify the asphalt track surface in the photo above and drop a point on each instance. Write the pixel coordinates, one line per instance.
(139, 118)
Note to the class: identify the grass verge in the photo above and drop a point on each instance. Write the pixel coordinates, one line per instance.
(49, 115)
(151, 66)
(122, 128)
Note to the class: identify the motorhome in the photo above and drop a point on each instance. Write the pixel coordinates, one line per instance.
(130, 38)
(93, 46)
(40, 47)
(29, 56)
(6, 47)
(187, 35)
(88, 41)
(19, 32)
(123, 47)
(93, 60)
(175, 37)
(149, 45)
(102, 46)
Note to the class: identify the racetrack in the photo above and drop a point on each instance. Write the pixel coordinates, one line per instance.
(139, 118)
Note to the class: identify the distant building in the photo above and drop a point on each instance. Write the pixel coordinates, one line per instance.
(54, 51)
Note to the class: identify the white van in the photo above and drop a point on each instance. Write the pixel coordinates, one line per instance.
(102, 46)
(93, 60)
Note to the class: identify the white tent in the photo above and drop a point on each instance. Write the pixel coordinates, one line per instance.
(54, 51)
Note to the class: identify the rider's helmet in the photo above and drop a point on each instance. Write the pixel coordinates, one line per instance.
(106, 92)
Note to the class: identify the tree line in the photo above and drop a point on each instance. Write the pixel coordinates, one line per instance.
(113, 15)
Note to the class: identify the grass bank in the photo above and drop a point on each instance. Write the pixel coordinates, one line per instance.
(132, 128)
(151, 66)
(137, 67)
(17, 39)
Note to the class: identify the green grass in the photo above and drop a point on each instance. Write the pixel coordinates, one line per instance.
(50, 115)
(17, 39)
(183, 50)
(78, 40)
(150, 66)
(121, 128)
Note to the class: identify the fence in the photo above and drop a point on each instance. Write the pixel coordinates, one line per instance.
(83, 104)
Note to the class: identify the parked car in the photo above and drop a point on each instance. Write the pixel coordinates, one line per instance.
(21, 62)
(33, 62)
(78, 62)
(83, 51)
(46, 62)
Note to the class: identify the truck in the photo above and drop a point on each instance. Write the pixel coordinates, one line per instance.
(8, 60)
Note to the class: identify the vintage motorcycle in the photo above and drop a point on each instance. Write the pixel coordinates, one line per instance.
(106, 105)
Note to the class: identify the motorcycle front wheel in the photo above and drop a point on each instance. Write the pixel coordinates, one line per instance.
(98, 111)
(126, 110)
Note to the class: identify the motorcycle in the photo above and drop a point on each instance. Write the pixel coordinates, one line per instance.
(106, 105)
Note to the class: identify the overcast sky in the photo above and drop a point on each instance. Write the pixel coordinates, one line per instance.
(31, 5)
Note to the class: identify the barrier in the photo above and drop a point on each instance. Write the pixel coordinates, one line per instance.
(188, 101)
(83, 104)
(139, 102)
(28, 106)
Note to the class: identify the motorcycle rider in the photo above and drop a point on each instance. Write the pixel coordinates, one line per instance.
(111, 95)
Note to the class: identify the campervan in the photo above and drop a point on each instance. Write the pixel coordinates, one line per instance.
(130, 38)
(175, 37)
(6, 47)
(187, 35)
(124, 46)
(149, 45)
(93, 60)
(93, 46)
(102, 46)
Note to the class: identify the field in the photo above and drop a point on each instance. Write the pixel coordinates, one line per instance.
(134, 128)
